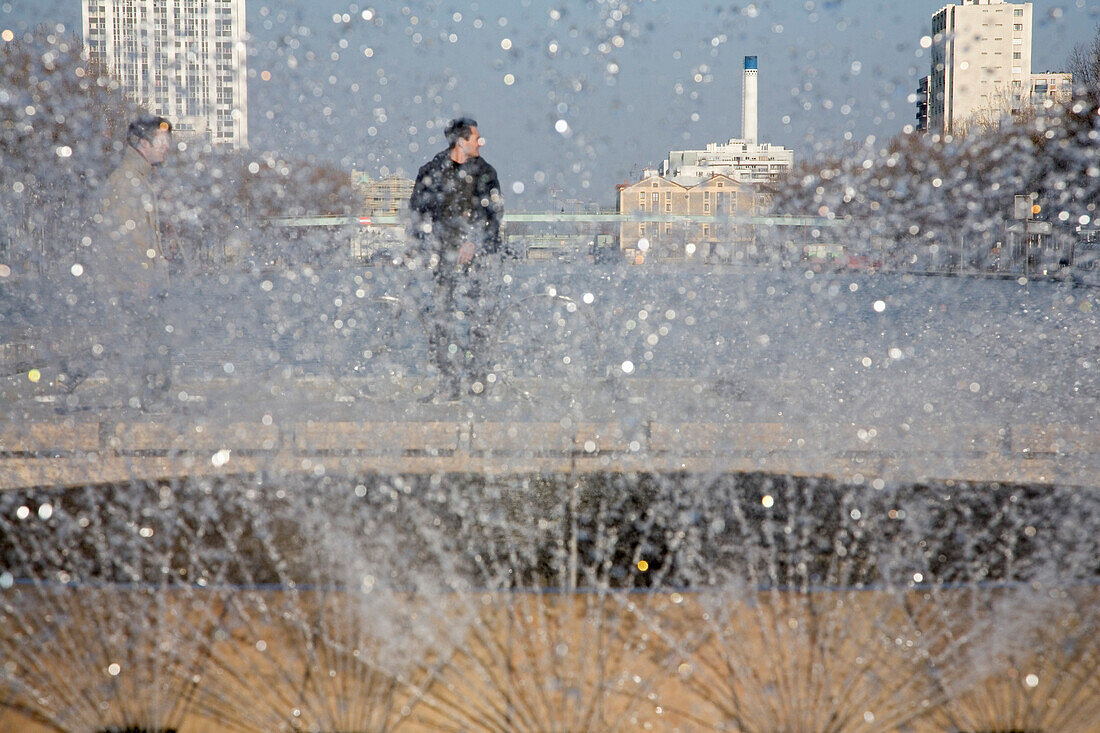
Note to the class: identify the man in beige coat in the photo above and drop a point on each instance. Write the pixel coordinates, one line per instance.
(130, 245)
(131, 271)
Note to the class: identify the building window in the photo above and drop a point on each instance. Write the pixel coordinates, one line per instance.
(1017, 26)
(655, 197)
(668, 206)
(1016, 54)
(1017, 12)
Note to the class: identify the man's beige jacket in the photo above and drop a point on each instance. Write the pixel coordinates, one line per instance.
(130, 256)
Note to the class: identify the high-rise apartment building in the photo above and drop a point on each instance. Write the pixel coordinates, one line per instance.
(981, 66)
(981, 60)
(183, 59)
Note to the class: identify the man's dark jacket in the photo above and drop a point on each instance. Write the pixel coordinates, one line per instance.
(454, 203)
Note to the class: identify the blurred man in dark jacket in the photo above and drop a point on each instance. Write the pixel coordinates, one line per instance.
(456, 212)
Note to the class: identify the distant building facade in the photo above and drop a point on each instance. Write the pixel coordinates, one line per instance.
(388, 195)
(183, 59)
(741, 160)
(981, 66)
(657, 201)
(1053, 86)
(924, 103)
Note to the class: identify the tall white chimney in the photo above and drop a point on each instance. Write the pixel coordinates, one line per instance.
(748, 101)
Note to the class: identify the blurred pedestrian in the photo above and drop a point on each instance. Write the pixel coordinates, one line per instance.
(130, 268)
(456, 210)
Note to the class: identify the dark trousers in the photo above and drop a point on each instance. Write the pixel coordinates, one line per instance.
(464, 303)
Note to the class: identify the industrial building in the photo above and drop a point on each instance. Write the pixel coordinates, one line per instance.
(693, 207)
(743, 159)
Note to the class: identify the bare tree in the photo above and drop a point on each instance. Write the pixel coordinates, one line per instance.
(61, 114)
(1002, 109)
(1084, 64)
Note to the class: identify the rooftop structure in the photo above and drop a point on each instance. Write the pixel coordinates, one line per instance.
(743, 159)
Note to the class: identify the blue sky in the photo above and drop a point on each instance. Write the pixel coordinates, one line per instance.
(631, 79)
